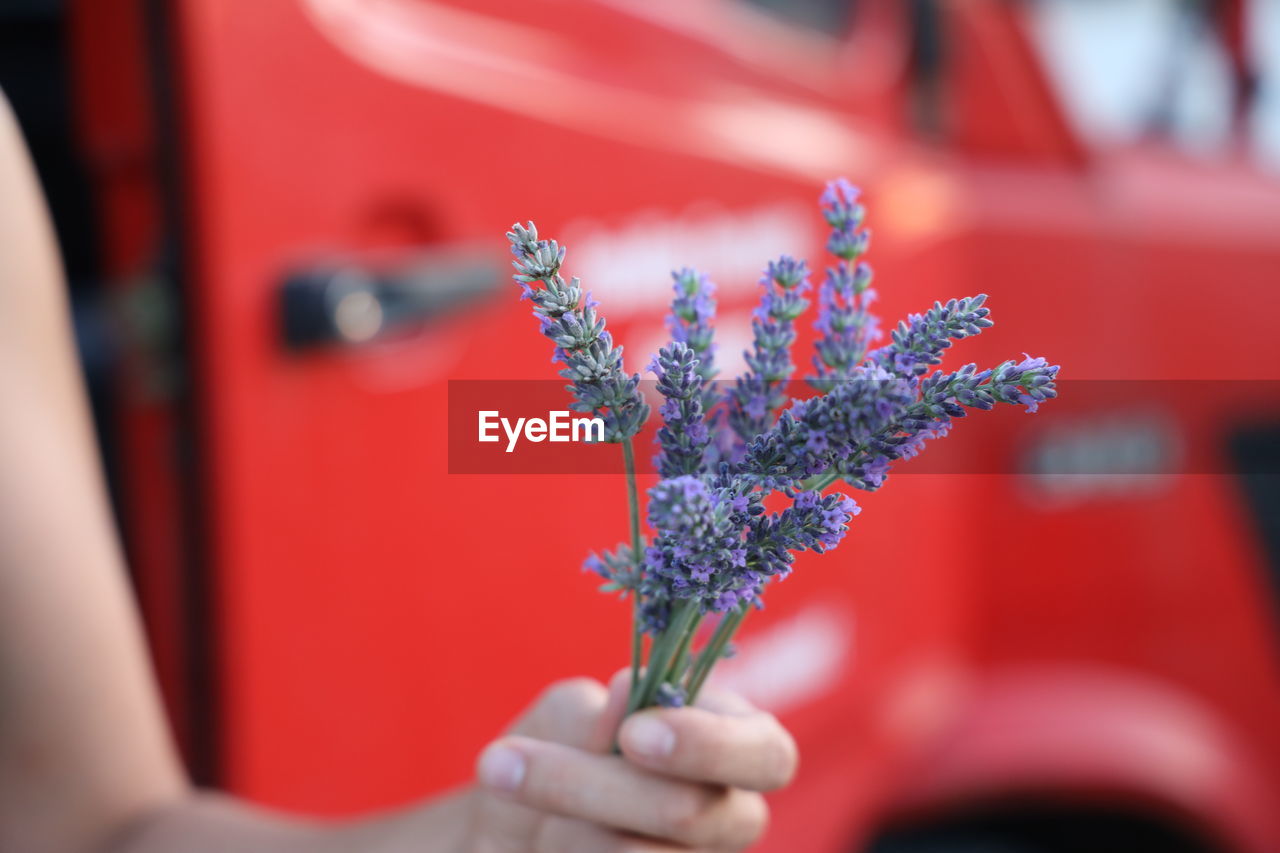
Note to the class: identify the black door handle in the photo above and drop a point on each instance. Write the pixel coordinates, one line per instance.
(351, 302)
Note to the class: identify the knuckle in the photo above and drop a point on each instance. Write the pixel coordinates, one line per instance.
(622, 676)
(550, 784)
(572, 693)
(786, 758)
(686, 814)
(748, 819)
(567, 835)
(545, 836)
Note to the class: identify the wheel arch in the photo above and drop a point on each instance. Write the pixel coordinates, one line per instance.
(1091, 740)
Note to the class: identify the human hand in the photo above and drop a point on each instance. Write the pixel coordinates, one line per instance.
(688, 778)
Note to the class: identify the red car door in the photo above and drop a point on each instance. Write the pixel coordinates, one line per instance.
(362, 612)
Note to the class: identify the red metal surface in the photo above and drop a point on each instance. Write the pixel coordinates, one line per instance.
(378, 619)
(115, 120)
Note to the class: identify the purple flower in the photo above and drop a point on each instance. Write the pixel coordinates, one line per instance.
(692, 311)
(814, 522)
(618, 567)
(670, 696)
(815, 435)
(1029, 382)
(788, 273)
(592, 363)
(942, 398)
(847, 328)
(840, 208)
(655, 608)
(684, 434)
(919, 341)
(913, 442)
(756, 395)
(839, 204)
(699, 552)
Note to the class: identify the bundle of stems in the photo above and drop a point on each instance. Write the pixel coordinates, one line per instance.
(714, 546)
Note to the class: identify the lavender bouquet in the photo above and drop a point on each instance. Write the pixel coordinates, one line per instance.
(713, 546)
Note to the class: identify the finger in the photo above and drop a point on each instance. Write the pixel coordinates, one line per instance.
(567, 712)
(505, 825)
(615, 793)
(605, 729)
(566, 835)
(753, 751)
(725, 702)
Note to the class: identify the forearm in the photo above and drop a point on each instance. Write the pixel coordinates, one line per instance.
(86, 764)
(211, 823)
(82, 739)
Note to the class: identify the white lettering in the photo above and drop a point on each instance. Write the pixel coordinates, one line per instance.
(559, 426)
(513, 435)
(486, 423)
(584, 427)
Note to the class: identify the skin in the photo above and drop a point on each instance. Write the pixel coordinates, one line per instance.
(86, 761)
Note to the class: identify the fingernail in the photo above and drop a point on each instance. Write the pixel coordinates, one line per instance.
(501, 768)
(649, 737)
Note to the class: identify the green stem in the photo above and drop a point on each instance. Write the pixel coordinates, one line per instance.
(714, 650)
(633, 500)
(818, 482)
(663, 653)
(682, 653)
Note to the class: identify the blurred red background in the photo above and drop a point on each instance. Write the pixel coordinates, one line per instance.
(283, 222)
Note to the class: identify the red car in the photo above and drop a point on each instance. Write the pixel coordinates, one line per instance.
(1058, 635)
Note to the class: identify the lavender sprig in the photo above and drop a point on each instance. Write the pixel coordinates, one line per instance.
(592, 363)
(920, 340)
(756, 395)
(944, 397)
(841, 210)
(619, 568)
(699, 552)
(715, 551)
(692, 311)
(845, 324)
(1028, 382)
(684, 434)
(814, 435)
(814, 522)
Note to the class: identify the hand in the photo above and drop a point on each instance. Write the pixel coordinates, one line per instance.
(688, 779)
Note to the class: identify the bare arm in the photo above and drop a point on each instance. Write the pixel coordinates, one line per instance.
(82, 744)
(86, 764)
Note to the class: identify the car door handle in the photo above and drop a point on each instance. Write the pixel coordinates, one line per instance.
(352, 302)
